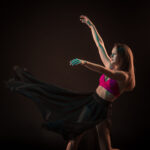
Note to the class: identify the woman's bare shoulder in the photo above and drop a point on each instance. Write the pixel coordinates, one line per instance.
(121, 76)
(124, 83)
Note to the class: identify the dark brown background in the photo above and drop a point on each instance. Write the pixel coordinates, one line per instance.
(44, 37)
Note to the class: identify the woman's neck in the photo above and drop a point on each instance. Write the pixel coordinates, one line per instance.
(114, 67)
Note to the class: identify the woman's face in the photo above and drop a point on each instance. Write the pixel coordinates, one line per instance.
(114, 56)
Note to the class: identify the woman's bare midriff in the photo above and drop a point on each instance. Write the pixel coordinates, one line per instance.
(103, 93)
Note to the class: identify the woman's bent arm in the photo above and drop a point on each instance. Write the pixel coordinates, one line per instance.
(114, 74)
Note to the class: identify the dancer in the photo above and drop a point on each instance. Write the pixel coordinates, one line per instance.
(123, 63)
(71, 113)
(103, 130)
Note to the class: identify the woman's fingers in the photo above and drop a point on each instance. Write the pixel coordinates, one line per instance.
(85, 20)
(72, 61)
(82, 20)
(83, 17)
(75, 62)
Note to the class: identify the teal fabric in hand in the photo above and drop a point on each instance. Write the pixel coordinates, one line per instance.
(75, 61)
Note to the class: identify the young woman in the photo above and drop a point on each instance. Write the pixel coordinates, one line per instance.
(70, 113)
(119, 67)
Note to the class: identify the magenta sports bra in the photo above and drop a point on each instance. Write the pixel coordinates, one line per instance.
(111, 85)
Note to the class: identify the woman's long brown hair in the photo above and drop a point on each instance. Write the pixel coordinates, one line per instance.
(127, 63)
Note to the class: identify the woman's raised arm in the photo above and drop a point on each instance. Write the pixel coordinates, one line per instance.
(98, 41)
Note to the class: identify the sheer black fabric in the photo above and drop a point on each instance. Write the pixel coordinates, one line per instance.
(65, 112)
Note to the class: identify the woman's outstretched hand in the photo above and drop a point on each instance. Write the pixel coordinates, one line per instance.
(77, 61)
(86, 20)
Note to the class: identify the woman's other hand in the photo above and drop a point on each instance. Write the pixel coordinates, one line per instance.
(86, 20)
(77, 61)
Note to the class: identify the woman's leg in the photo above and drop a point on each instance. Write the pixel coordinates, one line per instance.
(73, 144)
(104, 136)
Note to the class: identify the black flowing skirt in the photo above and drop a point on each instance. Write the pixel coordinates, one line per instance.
(65, 112)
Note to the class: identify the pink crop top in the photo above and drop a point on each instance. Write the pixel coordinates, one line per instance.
(111, 85)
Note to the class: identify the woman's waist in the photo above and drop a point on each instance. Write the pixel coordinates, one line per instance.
(105, 94)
